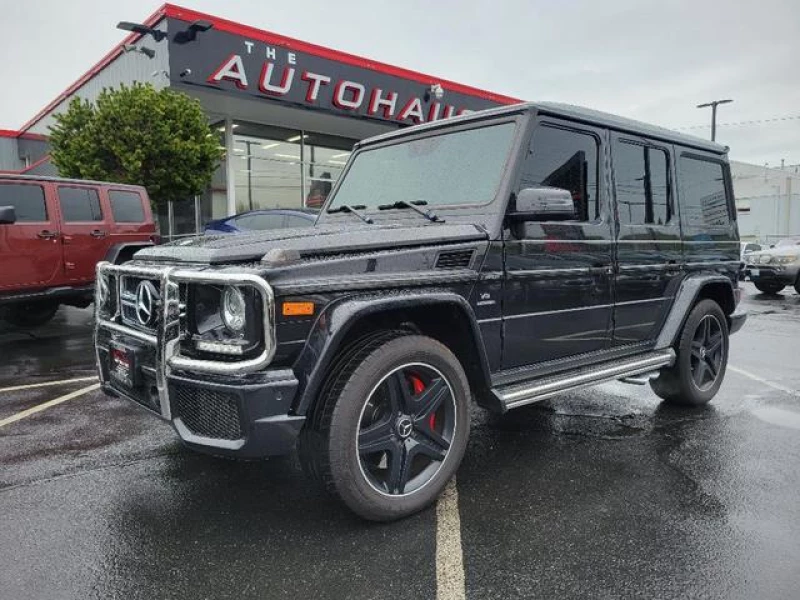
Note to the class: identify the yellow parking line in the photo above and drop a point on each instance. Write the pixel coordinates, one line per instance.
(30, 386)
(46, 405)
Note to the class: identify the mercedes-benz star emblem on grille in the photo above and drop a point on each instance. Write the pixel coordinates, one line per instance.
(146, 302)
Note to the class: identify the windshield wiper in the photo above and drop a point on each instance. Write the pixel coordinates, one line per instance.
(428, 214)
(353, 210)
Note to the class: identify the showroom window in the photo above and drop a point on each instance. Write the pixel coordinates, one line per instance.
(275, 167)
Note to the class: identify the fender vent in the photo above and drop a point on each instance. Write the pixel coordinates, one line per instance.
(456, 259)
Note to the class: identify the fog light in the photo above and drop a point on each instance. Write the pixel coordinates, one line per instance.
(218, 347)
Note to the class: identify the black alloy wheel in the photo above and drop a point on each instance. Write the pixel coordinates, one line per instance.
(391, 425)
(701, 358)
(406, 429)
(707, 352)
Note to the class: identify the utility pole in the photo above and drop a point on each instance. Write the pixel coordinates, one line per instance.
(713, 106)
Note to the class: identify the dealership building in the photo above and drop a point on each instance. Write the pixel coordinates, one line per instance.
(287, 112)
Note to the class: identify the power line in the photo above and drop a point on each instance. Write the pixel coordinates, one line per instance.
(740, 123)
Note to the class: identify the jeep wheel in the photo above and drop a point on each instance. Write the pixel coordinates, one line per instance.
(702, 357)
(29, 316)
(393, 427)
(768, 288)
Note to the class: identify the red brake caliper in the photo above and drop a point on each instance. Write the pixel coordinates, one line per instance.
(419, 387)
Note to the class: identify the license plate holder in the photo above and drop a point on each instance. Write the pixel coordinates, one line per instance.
(122, 365)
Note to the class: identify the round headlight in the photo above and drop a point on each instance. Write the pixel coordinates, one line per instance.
(233, 309)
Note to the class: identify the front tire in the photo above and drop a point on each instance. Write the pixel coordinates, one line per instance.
(701, 361)
(30, 315)
(391, 428)
(769, 288)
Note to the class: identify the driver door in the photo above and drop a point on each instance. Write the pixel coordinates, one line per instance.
(558, 275)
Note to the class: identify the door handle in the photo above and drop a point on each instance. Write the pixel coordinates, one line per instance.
(46, 234)
(97, 233)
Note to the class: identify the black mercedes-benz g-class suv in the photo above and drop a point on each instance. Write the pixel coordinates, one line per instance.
(500, 257)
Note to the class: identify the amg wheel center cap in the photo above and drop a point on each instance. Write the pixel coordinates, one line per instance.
(404, 426)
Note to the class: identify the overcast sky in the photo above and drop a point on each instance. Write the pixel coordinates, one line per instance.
(652, 61)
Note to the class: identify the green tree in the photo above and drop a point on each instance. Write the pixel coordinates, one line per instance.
(160, 139)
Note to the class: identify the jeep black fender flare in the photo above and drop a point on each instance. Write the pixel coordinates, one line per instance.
(116, 250)
(691, 288)
(337, 320)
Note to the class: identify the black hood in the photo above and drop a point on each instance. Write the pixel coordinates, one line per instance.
(309, 241)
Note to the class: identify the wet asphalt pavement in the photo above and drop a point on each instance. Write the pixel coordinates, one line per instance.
(604, 493)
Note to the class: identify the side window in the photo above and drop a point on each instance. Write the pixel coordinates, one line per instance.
(642, 182)
(704, 200)
(293, 221)
(126, 206)
(260, 221)
(27, 200)
(79, 205)
(568, 160)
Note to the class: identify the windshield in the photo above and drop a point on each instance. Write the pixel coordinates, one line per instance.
(463, 167)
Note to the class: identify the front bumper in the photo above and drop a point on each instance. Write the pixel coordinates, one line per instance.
(227, 408)
(786, 274)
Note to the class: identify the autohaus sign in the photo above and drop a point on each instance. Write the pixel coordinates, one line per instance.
(318, 78)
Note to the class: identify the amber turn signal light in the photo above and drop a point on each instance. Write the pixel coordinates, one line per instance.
(298, 309)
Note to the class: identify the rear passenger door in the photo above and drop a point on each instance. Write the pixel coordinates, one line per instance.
(132, 222)
(30, 248)
(84, 231)
(648, 238)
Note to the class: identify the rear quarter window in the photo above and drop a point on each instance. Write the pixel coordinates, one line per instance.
(126, 207)
(27, 200)
(704, 196)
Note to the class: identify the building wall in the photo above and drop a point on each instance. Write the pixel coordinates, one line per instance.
(768, 201)
(126, 68)
(9, 154)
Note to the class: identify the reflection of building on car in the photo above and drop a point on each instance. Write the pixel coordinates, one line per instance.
(261, 220)
(52, 234)
(500, 257)
(773, 269)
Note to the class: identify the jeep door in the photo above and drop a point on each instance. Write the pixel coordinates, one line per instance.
(30, 248)
(649, 256)
(557, 281)
(84, 231)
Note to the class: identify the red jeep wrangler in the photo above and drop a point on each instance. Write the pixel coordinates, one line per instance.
(52, 234)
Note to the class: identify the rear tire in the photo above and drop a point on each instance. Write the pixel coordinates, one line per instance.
(391, 427)
(769, 288)
(29, 315)
(701, 358)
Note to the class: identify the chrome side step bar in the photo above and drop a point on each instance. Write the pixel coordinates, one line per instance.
(519, 394)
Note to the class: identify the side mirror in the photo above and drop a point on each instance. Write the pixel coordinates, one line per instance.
(544, 204)
(8, 215)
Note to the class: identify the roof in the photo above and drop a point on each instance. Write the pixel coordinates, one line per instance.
(7, 176)
(253, 33)
(568, 111)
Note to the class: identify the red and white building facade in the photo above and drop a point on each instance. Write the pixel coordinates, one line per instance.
(287, 111)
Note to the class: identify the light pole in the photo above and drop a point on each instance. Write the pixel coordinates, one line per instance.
(713, 106)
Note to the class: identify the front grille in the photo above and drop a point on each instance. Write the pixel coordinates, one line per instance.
(456, 259)
(128, 289)
(207, 413)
